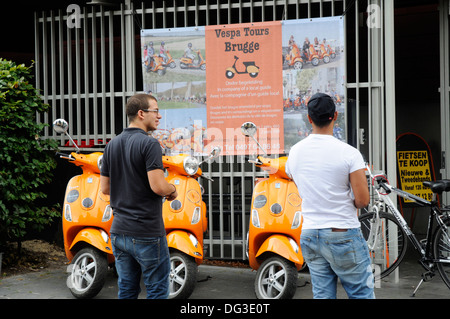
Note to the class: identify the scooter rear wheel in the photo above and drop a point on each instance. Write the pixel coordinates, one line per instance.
(88, 271)
(276, 279)
(183, 275)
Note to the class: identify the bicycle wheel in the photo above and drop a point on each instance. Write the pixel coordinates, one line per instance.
(386, 240)
(441, 250)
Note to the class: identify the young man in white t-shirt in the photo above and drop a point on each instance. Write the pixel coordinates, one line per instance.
(331, 181)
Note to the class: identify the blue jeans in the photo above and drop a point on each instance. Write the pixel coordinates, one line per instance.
(332, 254)
(147, 256)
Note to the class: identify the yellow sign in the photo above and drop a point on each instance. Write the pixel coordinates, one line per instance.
(414, 168)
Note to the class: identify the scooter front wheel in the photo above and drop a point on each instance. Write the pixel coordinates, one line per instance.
(229, 74)
(88, 271)
(276, 279)
(183, 275)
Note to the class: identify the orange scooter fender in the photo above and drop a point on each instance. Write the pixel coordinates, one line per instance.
(179, 239)
(94, 237)
(231, 69)
(280, 245)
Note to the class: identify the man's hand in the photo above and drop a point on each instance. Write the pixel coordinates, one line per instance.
(172, 196)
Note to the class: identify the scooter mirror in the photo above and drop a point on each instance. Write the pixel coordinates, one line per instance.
(248, 129)
(60, 126)
(215, 152)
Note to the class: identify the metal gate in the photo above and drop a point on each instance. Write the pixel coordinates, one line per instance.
(87, 65)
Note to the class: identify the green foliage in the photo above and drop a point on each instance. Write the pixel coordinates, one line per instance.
(26, 163)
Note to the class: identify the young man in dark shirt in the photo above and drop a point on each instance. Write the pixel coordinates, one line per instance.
(132, 174)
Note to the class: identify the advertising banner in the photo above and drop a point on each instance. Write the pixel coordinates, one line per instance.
(209, 80)
(244, 77)
(415, 165)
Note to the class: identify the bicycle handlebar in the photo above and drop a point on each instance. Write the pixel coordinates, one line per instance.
(384, 183)
(407, 195)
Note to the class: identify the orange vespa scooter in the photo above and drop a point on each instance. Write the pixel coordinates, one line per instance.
(197, 63)
(293, 58)
(87, 218)
(273, 239)
(185, 221)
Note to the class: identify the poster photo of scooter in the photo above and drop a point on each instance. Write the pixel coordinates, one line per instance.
(177, 78)
(173, 55)
(313, 58)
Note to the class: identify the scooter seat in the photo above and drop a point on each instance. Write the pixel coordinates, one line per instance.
(248, 63)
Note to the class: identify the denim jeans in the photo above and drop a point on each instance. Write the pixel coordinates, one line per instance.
(147, 256)
(338, 254)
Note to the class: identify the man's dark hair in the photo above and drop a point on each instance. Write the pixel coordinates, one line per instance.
(137, 102)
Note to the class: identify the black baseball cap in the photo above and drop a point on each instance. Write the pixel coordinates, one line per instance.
(321, 108)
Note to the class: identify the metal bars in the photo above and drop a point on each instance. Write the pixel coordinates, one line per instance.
(79, 72)
(87, 73)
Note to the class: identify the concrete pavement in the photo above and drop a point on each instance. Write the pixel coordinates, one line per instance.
(215, 282)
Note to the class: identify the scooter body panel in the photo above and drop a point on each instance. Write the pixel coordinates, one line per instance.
(189, 203)
(179, 239)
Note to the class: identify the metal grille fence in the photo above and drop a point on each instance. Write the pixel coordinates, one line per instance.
(87, 65)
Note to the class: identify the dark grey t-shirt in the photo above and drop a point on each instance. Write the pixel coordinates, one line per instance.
(126, 161)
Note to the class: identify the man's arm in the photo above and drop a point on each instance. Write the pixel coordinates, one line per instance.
(360, 189)
(104, 185)
(160, 186)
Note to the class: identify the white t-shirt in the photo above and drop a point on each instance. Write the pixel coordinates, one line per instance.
(320, 166)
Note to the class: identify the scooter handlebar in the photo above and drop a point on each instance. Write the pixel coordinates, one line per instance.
(206, 177)
(256, 162)
(65, 156)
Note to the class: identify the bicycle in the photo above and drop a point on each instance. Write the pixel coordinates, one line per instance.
(386, 231)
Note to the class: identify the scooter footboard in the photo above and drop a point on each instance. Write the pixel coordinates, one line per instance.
(94, 237)
(284, 246)
(186, 243)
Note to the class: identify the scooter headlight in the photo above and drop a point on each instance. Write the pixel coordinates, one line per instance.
(67, 213)
(276, 209)
(190, 165)
(255, 218)
(107, 214)
(297, 220)
(196, 216)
